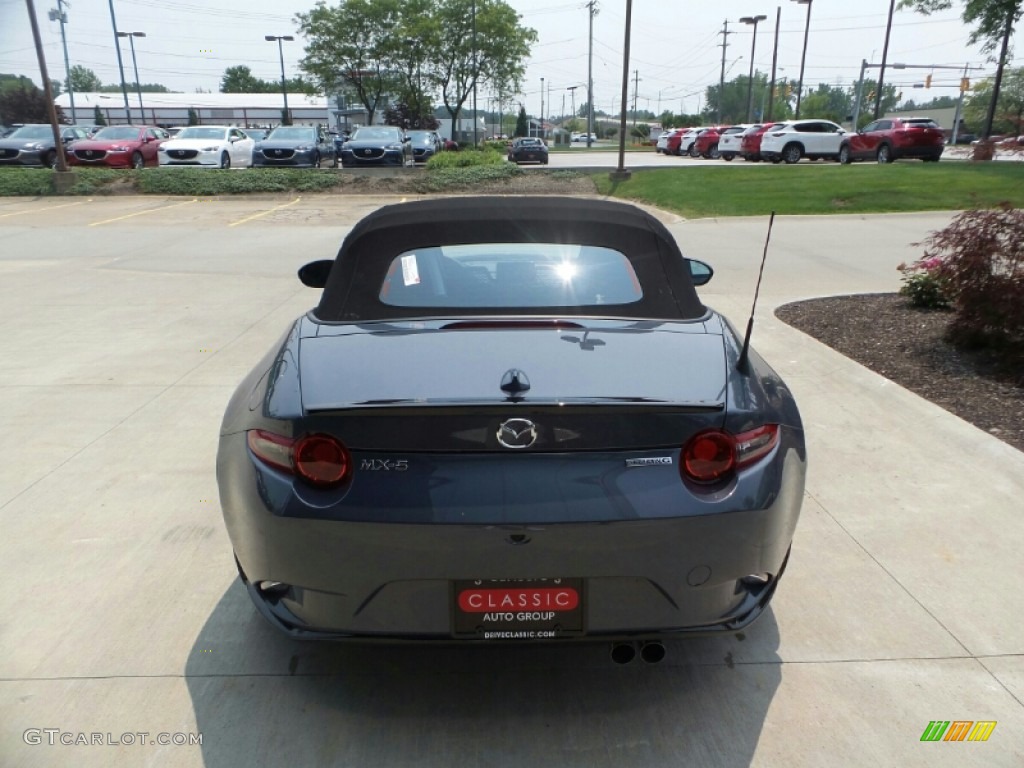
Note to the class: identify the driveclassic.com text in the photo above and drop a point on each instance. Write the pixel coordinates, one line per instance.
(55, 736)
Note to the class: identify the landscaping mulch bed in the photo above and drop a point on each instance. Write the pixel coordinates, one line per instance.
(904, 344)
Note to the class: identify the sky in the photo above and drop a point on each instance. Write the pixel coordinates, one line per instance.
(675, 45)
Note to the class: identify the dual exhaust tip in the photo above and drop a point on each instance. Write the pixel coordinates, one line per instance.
(650, 652)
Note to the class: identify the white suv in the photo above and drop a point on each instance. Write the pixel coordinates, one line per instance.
(813, 139)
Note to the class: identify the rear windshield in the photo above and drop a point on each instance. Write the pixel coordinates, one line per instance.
(520, 275)
(922, 123)
(194, 132)
(117, 132)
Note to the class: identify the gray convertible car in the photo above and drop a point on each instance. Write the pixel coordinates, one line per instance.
(511, 419)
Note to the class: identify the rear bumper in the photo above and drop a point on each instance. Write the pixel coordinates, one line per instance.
(644, 577)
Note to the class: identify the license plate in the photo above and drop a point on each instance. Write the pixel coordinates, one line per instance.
(517, 609)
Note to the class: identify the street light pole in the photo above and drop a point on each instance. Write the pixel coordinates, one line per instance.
(803, 56)
(285, 116)
(885, 54)
(753, 45)
(120, 64)
(62, 17)
(542, 109)
(135, 66)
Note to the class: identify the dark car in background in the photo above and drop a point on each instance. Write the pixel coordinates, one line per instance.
(120, 146)
(511, 420)
(32, 144)
(425, 144)
(377, 145)
(528, 149)
(306, 146)
(893, 138)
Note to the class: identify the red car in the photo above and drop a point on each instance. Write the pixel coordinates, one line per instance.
(119, 146)
(750, 144)
(892, 138)
(706, 143)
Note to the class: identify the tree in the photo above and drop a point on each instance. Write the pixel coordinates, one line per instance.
(82, 79)
(240, 79)
(497, 58)
(145, 88)
(993, 22)
(522, 124)
(890, 98)
(14, 81)
(1009, 115)
(828, 102)
(352, 45)
(25, 104)
(404, 116)
(97, 116)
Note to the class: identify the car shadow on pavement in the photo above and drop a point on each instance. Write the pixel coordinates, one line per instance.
(262, 699)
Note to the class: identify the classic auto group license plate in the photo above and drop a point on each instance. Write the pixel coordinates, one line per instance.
(515, 609)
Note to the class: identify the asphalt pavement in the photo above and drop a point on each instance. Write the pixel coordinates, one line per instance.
(126, 324)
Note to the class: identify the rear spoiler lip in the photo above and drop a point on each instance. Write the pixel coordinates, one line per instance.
(602, 403)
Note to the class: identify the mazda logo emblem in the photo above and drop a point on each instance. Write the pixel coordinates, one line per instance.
(517, 433)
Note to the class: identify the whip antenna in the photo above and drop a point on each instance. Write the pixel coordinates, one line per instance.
(741, 364)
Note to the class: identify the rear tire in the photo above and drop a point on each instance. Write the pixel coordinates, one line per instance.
(728, 156)
(713, 153)
(792, 153)
(693, 150)
(225, 160)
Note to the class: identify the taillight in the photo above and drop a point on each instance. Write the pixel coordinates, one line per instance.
(753, 445)
(320, 460)
(708, 456)
(714, 455)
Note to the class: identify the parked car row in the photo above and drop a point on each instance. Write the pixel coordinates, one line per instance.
(883, 140)
(219, 146)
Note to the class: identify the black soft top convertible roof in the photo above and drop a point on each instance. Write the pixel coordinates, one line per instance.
(352, 290)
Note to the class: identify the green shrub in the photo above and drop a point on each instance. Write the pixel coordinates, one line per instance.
(26, 182)
(465, 159)
(442, 179)
(206, 182)
(924, 285)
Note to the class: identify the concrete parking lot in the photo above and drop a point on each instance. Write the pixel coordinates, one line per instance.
(126, 324)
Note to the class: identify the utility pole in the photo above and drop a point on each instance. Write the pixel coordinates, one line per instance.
(572, 90)
(775, 60)
(636, 87)
(120, 64)
(592, 9)
(721, 79)
(476, 138)
(885, 53)
(542, 109)
(959, 106)
(61, 15)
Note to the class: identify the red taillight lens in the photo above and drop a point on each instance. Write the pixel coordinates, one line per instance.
(713, 455)
(708, 456)
(320, 460)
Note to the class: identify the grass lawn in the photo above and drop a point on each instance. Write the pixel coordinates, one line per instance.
(816, 188)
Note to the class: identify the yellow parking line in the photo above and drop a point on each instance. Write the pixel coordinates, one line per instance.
(264, 213)
(142, 213)
(40, 210)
